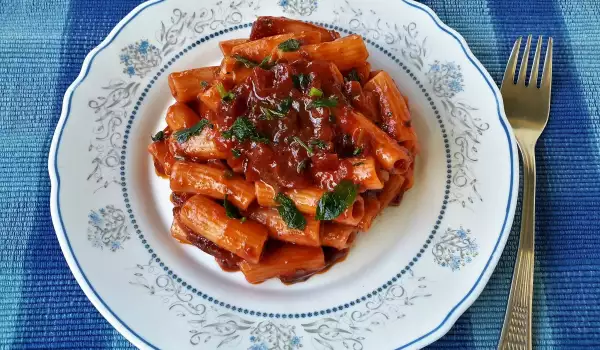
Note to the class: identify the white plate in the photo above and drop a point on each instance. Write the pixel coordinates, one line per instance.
(404, 283)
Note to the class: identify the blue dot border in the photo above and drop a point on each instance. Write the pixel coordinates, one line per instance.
(245, 311)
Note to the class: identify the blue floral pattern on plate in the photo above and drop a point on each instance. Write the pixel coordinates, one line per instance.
(455, 248)
(107, 228)
(140, 58)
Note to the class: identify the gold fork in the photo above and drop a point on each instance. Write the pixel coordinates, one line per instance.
(527, 108)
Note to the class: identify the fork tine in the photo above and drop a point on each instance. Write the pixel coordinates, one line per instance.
(547, 74)
(536, 63)
(511, 67)
(524, 62)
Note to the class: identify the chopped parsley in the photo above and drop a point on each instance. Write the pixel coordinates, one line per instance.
(308, 149)
(323, 102)
(236, 153)
(357, 151)
(159, 136)
(314, 92)
(301, 81)
(282, 109)
(289, 45)
(289, 213)
(204, 84)
(333, 204)
(243, 129)
(246, 62)
(226, 96)
(232, 211)
(353, 76)
(183, 135)
(302, 166)
(264, 64)
(320, 144)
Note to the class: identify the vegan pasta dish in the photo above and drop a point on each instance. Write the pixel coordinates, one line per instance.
(278, 158)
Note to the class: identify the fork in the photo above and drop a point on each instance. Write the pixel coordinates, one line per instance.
(527, 107)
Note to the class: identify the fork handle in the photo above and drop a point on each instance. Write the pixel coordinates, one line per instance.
(516, 331)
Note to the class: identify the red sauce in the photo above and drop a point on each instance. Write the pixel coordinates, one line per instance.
(283, 161)
(227, 260)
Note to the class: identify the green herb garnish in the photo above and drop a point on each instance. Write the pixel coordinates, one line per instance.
(225, 95)
(159, 136)
(314, 92)
(357, 151)
(183, 135)
(323, 102)
(319, 143)
(231, 210)
(282, 109)
(301, 81)
(243, 129)
(236, 153)
(289, 45)
(264, 64)
(302, 166)
(204, 84)
(246, 62)
(289, 213)
(308, 149)
(353, 75)
(332, 204)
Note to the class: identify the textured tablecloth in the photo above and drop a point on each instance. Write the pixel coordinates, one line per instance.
(42, 46)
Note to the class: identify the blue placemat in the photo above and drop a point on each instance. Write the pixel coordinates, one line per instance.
(42, 46)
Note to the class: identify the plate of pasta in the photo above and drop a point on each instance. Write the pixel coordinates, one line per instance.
(282, 175)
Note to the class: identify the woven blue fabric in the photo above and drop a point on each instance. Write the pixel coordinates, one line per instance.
(42, 46)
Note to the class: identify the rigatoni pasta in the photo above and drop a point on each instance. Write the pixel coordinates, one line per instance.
(282, 154)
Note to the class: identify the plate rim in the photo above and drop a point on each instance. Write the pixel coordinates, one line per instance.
(453, 314)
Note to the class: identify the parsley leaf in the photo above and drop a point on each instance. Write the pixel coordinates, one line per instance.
(319, 143)
(314, 92)
(231, 210)
(264, 64)
(282, 109)
(159, 136)
(236, 153)
(289, 213)
(225, 95)
(302, 166)
(332, 204)
(323, 102)
(289, 45)
(353, 76)
(243, 129)
(308, 149)
(246, 62)
(301, 81)
(183, 135)
(285, 105)
(357, 151)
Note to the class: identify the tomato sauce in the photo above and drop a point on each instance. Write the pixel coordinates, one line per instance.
(283, 161)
